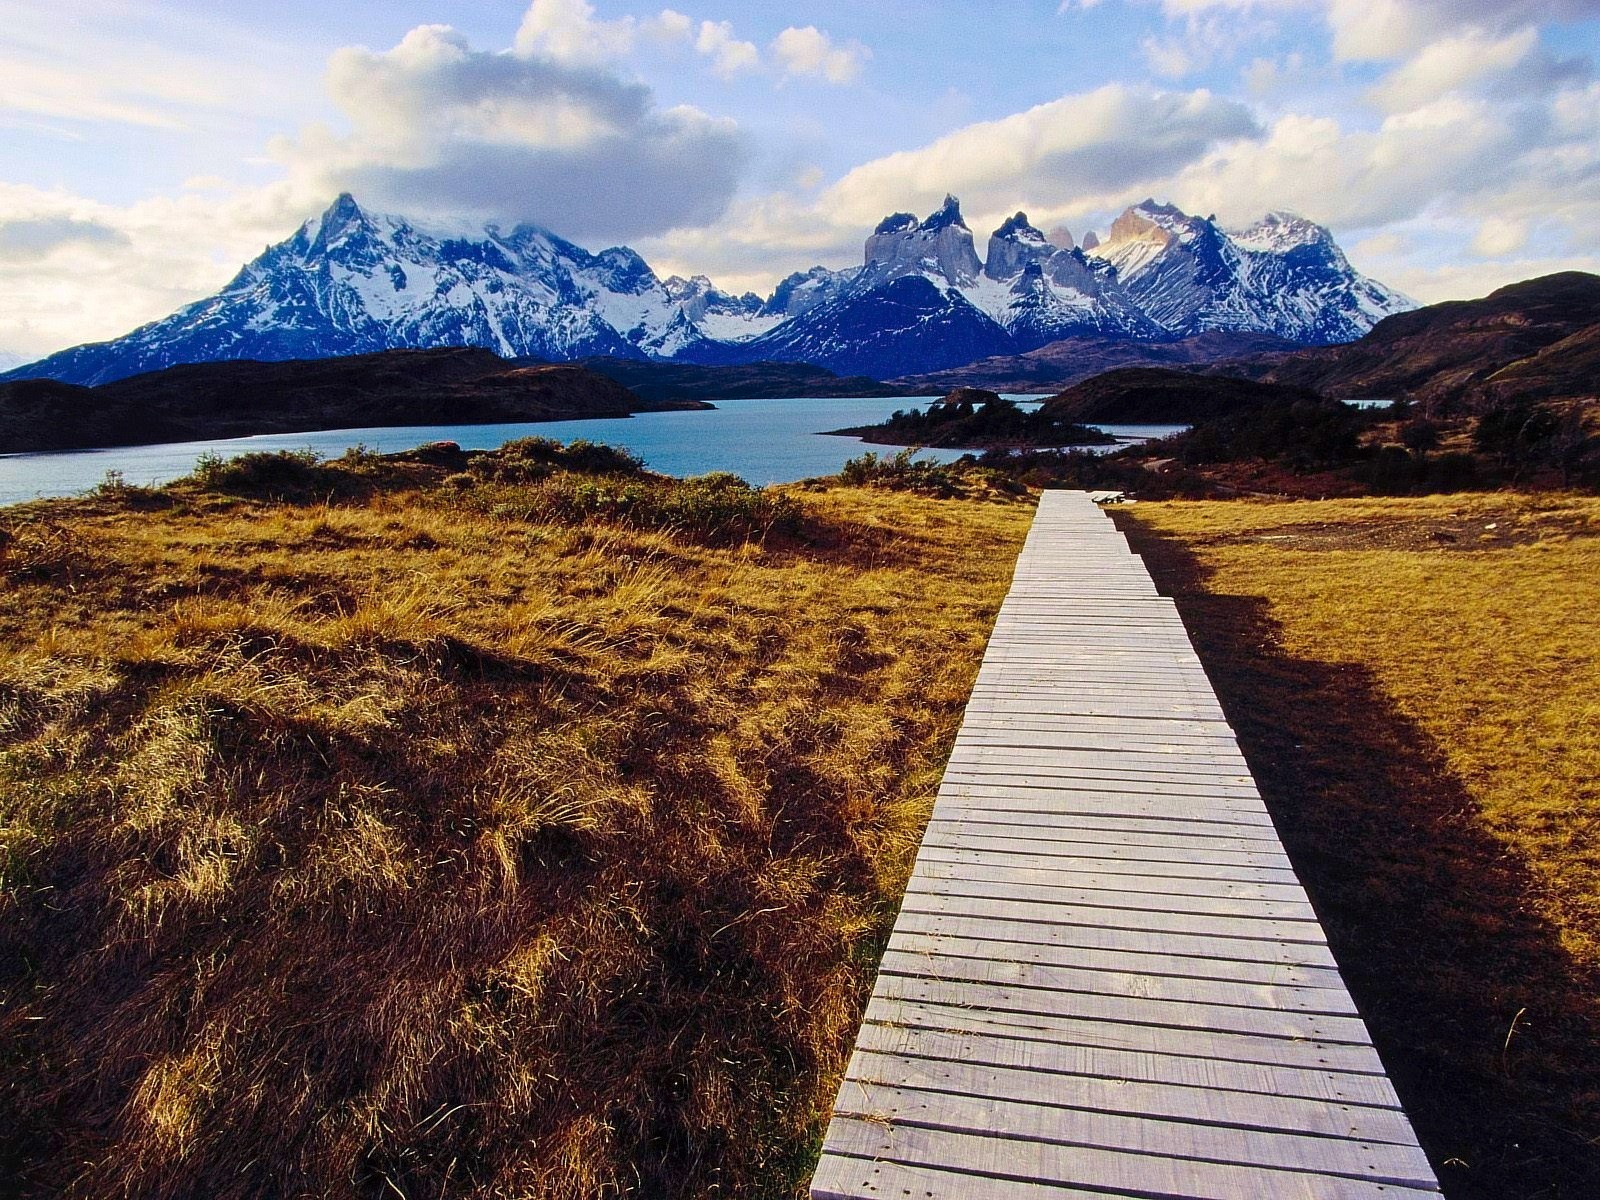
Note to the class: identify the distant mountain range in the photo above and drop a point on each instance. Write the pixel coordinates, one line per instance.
(353, 281)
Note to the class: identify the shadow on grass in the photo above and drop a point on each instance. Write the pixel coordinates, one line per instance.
(1489, 1029)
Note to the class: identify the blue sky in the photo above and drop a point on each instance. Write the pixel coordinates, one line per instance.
(146, 150)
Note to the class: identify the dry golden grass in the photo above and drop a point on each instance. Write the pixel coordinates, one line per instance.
(1489, 641)
(1417, 683)
(405, 845)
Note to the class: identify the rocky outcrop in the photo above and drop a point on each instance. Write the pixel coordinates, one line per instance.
(1015, 245)
(941, 245)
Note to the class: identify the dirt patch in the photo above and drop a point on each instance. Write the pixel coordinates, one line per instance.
(1451, 531)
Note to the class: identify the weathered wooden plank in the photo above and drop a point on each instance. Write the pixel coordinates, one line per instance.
(964, 836)
(1074, 796)
(979, 943)
(1232, 1073)
(1119, 1171)
(944, 915)
(1032, 776)
(1215, 1124)
(1165, 893)
(1128, 980)
(1223, 1045)
(1109, 864)
(994, 882)
(927, 896)
(1112, 1005)
(1060, 826)
(842, 1177)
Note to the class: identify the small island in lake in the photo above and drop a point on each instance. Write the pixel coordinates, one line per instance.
(977, 419)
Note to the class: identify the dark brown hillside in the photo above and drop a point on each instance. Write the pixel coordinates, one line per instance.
(454, 385)
(1569, 369)
(658, 381)
(1443, 355)
(1153, 395)
(1070, 360)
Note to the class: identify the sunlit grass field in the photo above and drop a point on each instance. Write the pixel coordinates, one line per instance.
(1417, 684)
(486, 835)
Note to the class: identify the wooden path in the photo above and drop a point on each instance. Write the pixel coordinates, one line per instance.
(1105, 979)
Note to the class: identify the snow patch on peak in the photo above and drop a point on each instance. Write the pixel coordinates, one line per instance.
(1278, 232)
(900, 222)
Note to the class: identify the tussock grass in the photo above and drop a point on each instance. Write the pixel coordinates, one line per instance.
(396, 830)
(1417, 684)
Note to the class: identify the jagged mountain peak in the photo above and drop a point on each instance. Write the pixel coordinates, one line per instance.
(947, 214)
(900, 222)
(1282, 275)
(1060, 237)
(1019, 228)
(940, 247)
(1015, 246)
(1149, 221)
(1280, 231)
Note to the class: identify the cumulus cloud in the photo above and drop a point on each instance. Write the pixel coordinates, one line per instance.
(29, 239)
(1358, 177)
(1109, 139)
(1061, 161)
(136, 262)
(1385, 30)
(438, 126)
(1473, 60)
(728, 54)
(566, 31)
(809, 51)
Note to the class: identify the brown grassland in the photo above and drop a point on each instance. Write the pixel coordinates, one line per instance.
(506, 831)
(527, 825)
(1416, 683)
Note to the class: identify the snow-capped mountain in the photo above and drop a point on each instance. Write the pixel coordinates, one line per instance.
(923, 300)
(353, 281)
(1284, 275)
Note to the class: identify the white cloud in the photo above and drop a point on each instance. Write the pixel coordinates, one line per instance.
(1062, 161)
(1356, 178)
(1387, 30)
(1434, 282)
(75, 270)
(566, 31)
(1081, 145)
(809, 51)
(1451, 64)
(729, 56)
(1171, 58)
(1498, 237)
(436, 126)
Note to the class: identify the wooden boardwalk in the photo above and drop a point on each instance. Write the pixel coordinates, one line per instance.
(1105, 979)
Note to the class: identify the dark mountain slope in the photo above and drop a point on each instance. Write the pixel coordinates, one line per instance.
(657, 381)
(1444, 356)
(1065, 362)
(236, 399)
(1153, 395)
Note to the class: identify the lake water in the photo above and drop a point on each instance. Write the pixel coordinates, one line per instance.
(765, 441)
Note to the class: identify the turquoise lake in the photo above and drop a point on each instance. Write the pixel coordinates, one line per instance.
(765, 441)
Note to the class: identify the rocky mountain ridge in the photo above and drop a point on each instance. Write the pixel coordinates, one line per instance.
(353, 281)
